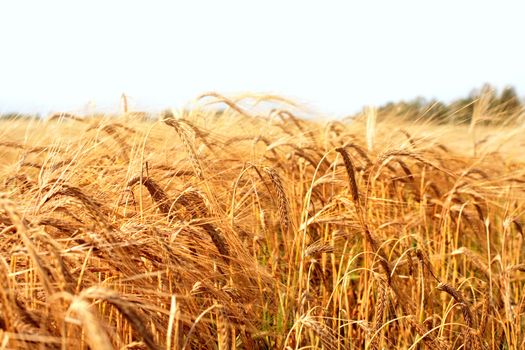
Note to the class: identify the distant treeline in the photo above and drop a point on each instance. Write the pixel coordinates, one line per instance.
(487, 105)
(18, 116)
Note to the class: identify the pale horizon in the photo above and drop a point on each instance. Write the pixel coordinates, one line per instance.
(335, 58)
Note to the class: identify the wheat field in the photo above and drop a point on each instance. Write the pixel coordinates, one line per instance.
(256, 229)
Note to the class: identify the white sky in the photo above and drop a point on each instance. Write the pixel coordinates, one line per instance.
(334, 55)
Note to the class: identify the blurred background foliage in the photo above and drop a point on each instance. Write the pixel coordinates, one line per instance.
(499, 107)
(503, 107)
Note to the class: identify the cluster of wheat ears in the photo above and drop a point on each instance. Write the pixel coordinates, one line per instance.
(258, 230)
